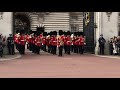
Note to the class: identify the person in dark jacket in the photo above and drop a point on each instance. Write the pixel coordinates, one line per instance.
(10, 44)
(102, 42)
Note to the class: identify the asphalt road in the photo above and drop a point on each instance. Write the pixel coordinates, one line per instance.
(68, 66)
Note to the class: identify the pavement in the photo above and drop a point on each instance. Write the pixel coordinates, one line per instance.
(10, 57)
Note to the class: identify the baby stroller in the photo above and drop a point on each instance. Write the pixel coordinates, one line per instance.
(1, 49)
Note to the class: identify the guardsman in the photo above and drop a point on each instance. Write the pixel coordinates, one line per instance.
(60, 42)
(34, 46)
(82, 43)
(51, 43)
(65, 42)
(72, 44)
(54, 43)
(44, 41)
(48, 42)
(10, 44)
(38, 44)
(77, 43)
(68, 42)
(22, 40)
(27, 41)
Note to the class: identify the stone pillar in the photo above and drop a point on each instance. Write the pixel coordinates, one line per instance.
(98, 18)
(6, 26)
(109, 28)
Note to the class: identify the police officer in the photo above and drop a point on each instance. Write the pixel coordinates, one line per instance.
(10, 44)
(101, 44)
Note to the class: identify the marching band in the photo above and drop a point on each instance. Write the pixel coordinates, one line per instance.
(50, 42)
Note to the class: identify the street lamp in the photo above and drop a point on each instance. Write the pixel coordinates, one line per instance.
(108, 14)
(1, 15)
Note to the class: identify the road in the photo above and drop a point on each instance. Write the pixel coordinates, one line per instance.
(52, 66)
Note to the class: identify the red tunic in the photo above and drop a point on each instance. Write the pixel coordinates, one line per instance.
(54, 41)
(48, 41)
(37, 41)
(22, 40)
(68, 40)
(44, 40)
(82, 40)
(77, 41)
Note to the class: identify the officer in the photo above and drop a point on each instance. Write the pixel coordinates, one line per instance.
(10, 44)
(102, 42)
(60, 41)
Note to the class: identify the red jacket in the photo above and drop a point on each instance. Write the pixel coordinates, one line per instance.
(37, 41)
(82, 41)
(54, 41)
(68, 40)
(22, 40)
(77, 41)
(44, 40)
(27, 38)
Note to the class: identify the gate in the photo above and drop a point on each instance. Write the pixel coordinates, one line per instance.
(88, 30)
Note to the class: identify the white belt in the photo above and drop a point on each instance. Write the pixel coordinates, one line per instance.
(22, 40)
(54, 41)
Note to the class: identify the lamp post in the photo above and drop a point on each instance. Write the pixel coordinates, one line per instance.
(1, 15)
(108, 14)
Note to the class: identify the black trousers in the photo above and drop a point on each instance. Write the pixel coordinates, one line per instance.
(72, 48)
(60, 50)
(33, 48)
(111, 50)
(1, 53)
(75, 48)
(101, 50)
(81, 49)
(68, 49)
(22, 49)
(54, 49)
(11, 49)
(65, 48)
(48, 49)
(37, 49)
(44, 47)
(30, 46)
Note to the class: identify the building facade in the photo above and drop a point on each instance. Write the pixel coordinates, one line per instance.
(73, 21)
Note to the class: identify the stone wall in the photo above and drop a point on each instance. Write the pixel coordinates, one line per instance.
(6, 26)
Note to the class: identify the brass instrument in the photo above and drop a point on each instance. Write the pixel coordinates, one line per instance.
(59, 39)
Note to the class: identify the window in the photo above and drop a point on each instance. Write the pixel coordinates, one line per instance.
(74, 18)
(74, 28)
